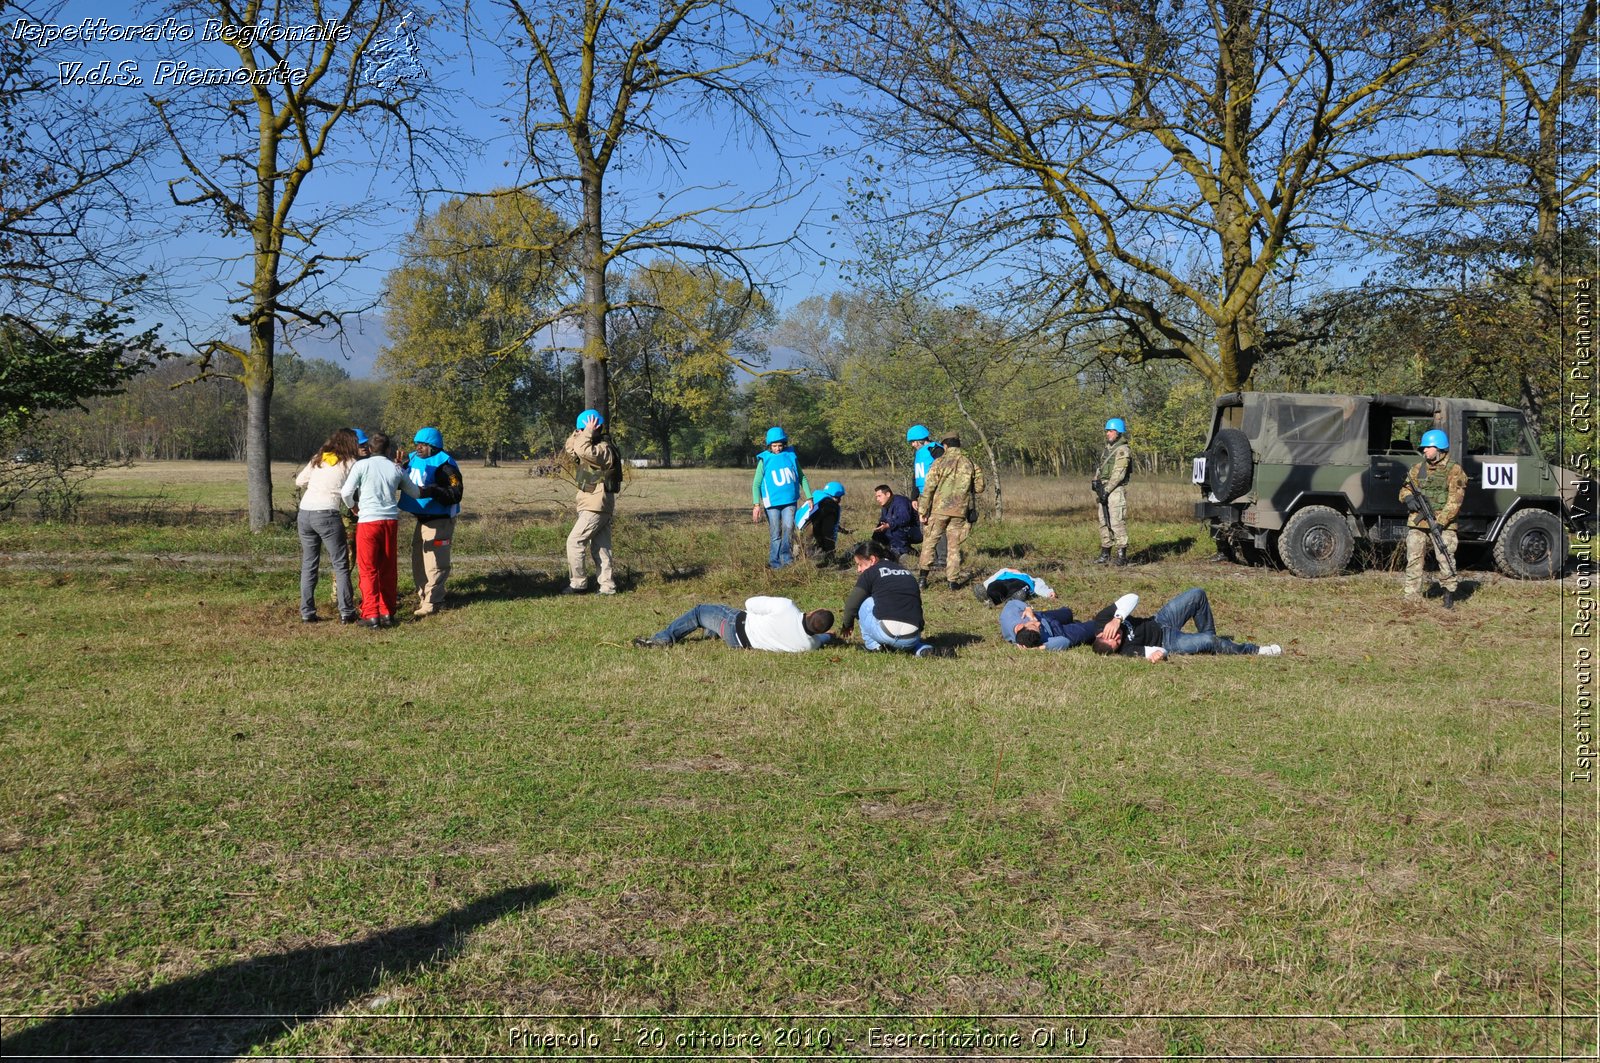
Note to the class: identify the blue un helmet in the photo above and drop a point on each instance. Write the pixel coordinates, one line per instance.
(776, 435)
(429, 437)
(917, 433)
(590, 418)
(834, 489)
(361, 437)
(1116, 424)
(1433, 437)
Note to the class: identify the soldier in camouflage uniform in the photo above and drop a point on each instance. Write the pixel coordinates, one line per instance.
(1444, 484)
(949, 494)
(1111, 492)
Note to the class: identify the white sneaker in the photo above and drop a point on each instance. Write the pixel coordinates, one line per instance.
(1270, 650)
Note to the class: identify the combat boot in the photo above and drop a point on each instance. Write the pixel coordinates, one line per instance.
(1449, 599)
(1122, 556)
(922, 578)
(1105, 555)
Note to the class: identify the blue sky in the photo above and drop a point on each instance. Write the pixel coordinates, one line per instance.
(718, 166)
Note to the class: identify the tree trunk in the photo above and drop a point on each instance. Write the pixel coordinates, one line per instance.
(596, 389)
(258, 445)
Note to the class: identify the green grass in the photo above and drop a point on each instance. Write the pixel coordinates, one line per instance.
(209, 807)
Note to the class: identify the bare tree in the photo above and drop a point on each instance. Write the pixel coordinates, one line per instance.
(614, 84)
(302, 100)
(1103, 156)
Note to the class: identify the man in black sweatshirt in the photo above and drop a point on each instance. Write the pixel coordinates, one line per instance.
(888, 599)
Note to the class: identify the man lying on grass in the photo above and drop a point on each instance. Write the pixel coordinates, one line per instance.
(763, 624)
(1156, 638)
(1053, 629)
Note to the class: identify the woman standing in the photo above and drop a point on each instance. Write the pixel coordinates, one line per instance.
(320, 524)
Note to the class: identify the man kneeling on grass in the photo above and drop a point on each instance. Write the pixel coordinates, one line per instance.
(764, 623)
(888, 599)
(1156, 638)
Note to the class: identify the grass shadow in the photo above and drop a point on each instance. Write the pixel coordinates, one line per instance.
(1162, 551)
(503, 585)
(228, 1011)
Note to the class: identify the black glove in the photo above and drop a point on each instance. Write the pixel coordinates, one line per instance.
(1413, 504)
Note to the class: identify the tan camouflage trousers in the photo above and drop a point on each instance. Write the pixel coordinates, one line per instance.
(1114, 531)
(591, 533)
(430, 558)
(953, 530)
(1419, 544)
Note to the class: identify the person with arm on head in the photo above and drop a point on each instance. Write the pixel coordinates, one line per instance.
(1161, 636)
(438, 480)
(1052, 629)
(599, 478)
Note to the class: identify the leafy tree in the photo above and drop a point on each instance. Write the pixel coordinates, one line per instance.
(247, 154)
(477, 277)
(680, 332)
(601, 86)
(1158, 165)
(41, 371)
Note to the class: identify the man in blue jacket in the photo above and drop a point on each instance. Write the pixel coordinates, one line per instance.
(1053, 629)
(439, 478)
(898, 529)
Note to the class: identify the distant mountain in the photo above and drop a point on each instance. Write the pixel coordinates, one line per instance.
(355, 348)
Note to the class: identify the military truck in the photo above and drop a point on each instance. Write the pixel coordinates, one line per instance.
(1301, 478)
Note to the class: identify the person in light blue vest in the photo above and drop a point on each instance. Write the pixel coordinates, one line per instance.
(777, 489)
(439, 478)
(927, 452)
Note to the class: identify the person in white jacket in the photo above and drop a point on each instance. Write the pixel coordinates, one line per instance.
(765, 623)
(321, 526)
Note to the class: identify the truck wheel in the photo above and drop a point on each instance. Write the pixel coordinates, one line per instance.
(1316, 542)
(1228, 465)
(1532, 545)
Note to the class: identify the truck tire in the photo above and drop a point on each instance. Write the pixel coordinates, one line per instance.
(1229, 467)
(1532, 545)
(1316, 542)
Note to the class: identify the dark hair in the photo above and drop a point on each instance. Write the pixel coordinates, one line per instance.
(818, 621)
(342, 445)
(951, 440)
(1102, 647)
(864, 550)
(378, 443)
(1030, 639)
(885, 488)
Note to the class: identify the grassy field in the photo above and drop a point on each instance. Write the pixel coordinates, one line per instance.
(505, 831)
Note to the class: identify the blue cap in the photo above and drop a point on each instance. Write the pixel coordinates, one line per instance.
(1116, 424)
(430, 436)
(775, 435)
(590, 417)
(1433, 437)
(917, 433)
(834, 489)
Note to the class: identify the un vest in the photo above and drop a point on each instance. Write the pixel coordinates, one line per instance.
(780, 478)
(926, 456)
(421, 472)
(1108, 462)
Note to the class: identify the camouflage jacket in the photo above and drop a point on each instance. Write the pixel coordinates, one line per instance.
(1116, 463)
(1444, 485)
(952, 486)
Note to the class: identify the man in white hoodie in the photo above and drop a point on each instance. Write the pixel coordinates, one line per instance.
(765, 623)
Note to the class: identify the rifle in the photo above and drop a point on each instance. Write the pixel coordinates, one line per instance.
(1103, 495)
(1425, 507)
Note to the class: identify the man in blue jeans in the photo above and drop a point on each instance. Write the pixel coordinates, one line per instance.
(1162, 636)
(887, 598)
(765, 623)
